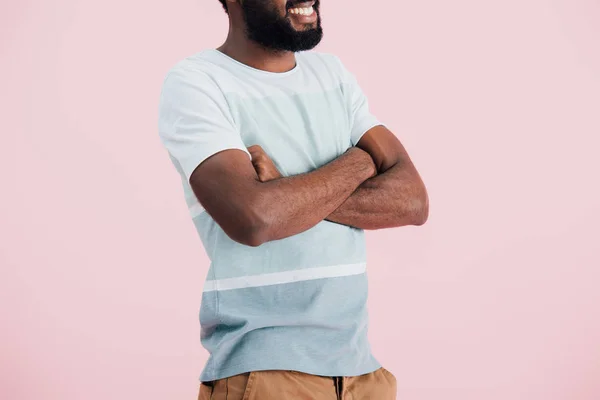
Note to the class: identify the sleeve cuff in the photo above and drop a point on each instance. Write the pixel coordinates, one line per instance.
(363, 127)
(190, 162)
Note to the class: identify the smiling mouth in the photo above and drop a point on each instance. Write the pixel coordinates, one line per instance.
(304, 8)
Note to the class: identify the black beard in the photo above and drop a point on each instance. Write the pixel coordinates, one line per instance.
(266, 27)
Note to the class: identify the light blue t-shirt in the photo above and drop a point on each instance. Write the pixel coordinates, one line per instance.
(297, 303)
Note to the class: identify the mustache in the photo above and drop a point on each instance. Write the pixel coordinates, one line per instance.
(294, 3)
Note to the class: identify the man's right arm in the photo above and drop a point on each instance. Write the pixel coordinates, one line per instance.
(252, 212)
(198, 129)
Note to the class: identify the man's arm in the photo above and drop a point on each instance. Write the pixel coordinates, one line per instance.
(254, 212)
(395, 197)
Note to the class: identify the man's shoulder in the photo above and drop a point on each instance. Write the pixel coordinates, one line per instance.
(195, 71)
(194, 65)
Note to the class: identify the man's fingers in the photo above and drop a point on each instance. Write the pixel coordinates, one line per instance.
(256, 152)
(259, 157)
(255, 148)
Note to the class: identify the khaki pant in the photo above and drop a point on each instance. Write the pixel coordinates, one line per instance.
(293, 385)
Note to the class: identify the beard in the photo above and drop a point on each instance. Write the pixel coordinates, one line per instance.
(265, 26)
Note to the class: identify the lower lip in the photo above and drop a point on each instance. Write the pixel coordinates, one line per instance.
(305, 19)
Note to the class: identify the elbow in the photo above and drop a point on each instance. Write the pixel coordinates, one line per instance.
(422, 209)
(252, 236)
(252, 227)
(249, 233)
(421, 218)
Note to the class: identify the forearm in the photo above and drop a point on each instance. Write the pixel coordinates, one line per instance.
(391, 199)
(291, 205)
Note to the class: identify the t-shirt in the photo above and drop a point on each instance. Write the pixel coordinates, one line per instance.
(297, 303)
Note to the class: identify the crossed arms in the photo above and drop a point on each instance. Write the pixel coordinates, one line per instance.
(373, 185)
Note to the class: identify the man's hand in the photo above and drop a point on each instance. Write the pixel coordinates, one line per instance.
(264, 166)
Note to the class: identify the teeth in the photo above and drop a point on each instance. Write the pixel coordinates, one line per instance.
(302, 11)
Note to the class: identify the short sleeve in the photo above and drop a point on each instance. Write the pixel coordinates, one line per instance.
(361, 119)
(194, 120)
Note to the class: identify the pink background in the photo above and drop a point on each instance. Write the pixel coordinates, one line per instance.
(498, 103)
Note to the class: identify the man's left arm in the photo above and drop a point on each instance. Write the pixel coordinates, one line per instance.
(395, 197)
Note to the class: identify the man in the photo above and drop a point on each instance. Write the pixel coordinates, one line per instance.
(283, 168)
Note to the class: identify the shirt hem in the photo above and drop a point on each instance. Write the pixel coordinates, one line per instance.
(212, 374)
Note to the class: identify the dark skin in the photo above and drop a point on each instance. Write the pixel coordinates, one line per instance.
(239, 47)
(395, 197)
(252, 211)
(373, 185)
